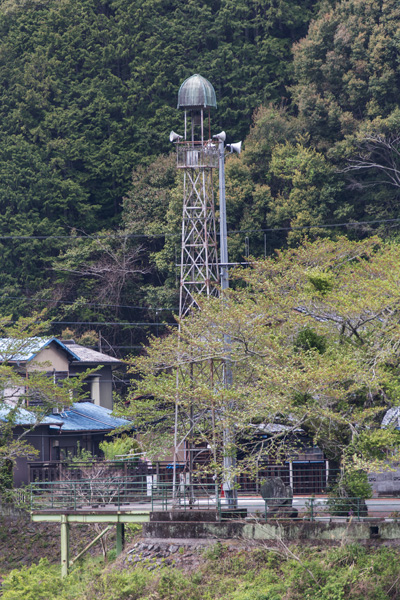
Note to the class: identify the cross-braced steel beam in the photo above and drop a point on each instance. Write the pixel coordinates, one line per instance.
(199, 253)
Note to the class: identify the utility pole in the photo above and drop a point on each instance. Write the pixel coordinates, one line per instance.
(229, 483)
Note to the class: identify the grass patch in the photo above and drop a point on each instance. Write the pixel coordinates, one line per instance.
(348, 573)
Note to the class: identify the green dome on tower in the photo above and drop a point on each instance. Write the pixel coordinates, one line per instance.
(196, 92)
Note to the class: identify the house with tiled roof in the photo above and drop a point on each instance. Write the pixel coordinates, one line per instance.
(61, 359)
(58, 435)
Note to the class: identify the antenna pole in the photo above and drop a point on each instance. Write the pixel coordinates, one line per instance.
(229, 482)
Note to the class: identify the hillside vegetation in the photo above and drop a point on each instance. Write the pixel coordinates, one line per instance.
(349, 573)
(88, 97)
(89, 92)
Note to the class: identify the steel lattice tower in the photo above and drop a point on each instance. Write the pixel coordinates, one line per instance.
(197, 156)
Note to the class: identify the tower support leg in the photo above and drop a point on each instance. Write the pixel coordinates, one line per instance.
(120, 537)
(64, 546)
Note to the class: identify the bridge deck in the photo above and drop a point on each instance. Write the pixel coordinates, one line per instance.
(91, 516)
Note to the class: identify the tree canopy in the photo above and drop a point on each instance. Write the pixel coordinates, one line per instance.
(326, 156)
(89, 95)
(88, 92)
(313, 344)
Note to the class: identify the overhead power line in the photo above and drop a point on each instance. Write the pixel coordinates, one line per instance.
(322, 226)
(111, 323)
(178, 235)
(92, 304)
(160, 324)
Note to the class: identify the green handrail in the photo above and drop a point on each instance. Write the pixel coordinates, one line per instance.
(78, 494)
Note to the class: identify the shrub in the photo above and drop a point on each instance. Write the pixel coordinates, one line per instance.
(119, 446)
(347, 497)
(37, 582)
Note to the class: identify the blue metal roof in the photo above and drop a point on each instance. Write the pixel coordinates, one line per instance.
(14, 350)
(81, 416)
(85, 416)
(23, 417)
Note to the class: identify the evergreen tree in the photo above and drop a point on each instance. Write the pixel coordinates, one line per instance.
(88, 91)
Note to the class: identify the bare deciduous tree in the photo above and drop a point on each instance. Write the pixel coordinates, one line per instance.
(111, 259)
(379, 153)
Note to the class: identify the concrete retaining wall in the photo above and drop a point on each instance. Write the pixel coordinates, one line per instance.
(330, 532)
(10, 510)
(386, 483)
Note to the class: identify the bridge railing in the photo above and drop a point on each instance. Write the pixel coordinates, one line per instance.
(88, 493)
(145, 494)
(118, 493)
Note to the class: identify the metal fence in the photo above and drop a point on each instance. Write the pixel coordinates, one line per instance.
(331, 508)
(197, 496)
(305, 477)
(120, 493)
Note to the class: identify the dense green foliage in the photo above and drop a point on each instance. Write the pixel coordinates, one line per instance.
(119, 447)
(313, 345)
(343, 110)
(89, 91)
(346, 68)
(350, 572)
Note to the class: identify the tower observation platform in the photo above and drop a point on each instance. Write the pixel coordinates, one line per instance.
(197, 155)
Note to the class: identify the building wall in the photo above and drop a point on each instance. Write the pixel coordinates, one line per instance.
(102, 394)
(49, 359)
(39, 439)
(106, 390)
(53, 358)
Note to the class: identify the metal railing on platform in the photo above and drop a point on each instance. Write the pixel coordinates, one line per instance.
(331, 508)
(119, 493)
(88, 493)
(149, 495)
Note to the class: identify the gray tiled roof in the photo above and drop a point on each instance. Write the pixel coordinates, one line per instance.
(25, 350)
(15, 350)
(86, 355)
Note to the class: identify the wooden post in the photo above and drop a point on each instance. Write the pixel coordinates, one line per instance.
(64, 545)
(120, 537)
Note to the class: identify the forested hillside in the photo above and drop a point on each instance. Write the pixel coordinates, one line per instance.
(88, 97)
